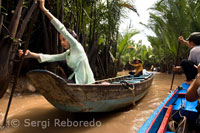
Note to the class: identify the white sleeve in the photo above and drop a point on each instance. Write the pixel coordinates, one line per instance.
(52, 58)
(61, 28)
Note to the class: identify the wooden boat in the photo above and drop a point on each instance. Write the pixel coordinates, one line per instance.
(102, 96)
(174, 114)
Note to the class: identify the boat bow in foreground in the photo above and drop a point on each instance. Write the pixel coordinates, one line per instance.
(174, 114)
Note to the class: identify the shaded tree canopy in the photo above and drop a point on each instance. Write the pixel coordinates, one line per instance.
(95, 22)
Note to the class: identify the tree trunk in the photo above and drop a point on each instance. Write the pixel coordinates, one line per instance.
(60, 48)
(82, 31)
(93, 52)
(1, 19)
(5, 46)
(6, 49)
(15, 19)
(46, 36)
(9, 46)
(26, 20)
(1, 22)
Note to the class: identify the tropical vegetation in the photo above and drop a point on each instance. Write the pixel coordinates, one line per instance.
(168, 20)
(96, 23)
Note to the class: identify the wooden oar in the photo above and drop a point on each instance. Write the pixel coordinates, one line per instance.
(179, 43)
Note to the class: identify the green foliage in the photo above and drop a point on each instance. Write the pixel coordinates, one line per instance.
(3, 11)
(168, 19)
(96, 23)
(123, 50)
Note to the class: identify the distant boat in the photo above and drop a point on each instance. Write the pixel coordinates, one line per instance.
(102, 96)
(174, 114)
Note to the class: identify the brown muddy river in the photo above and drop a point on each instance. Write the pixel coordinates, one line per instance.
(33, 114)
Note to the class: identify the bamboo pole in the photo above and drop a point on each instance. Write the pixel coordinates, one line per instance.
(176, 63)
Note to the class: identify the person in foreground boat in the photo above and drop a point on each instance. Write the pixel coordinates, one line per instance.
(137, 63)
(193, 93)
(188, 65)
(74, 56)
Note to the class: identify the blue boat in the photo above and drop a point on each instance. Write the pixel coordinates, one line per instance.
(174, 114)
(102, 96)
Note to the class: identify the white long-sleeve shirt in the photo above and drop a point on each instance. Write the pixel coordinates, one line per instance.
(75, 57)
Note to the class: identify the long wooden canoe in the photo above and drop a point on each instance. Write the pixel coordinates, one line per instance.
(174, 114)
(102, 96)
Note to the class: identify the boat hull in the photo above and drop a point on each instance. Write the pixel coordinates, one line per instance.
(97, 97)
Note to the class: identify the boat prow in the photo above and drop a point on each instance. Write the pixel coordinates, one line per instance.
(174, 114)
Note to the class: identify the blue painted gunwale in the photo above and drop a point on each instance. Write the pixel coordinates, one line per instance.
(153, 122)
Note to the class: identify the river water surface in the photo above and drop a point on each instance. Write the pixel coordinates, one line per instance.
(33, 114)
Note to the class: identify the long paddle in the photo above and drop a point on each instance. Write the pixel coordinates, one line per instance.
(177, 54)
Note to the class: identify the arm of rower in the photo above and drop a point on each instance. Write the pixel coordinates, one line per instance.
(181, 39)
(192, 94)
(46, 11)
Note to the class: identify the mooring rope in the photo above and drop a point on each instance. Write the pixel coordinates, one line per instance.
(172, 123)
(131, 87)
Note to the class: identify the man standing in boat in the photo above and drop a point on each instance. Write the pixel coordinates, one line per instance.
(189, 65)
(74, 56)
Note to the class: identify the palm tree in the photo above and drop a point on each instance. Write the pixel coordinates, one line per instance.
(169, 18)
